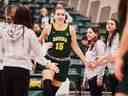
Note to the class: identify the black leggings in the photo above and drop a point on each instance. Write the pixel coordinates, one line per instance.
(16, 81)
(49, 89)
(94, 89)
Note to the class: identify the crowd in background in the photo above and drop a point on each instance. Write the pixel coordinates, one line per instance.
(98, 52)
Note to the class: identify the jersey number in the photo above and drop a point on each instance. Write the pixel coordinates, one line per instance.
(59, 46)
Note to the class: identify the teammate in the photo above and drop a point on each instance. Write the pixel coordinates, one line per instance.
(18, 41)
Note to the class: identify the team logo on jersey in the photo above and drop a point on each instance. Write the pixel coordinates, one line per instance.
(60, 39)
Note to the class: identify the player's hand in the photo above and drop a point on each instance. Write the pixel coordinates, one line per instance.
(53, 66)
(48, 45)
(92, 64)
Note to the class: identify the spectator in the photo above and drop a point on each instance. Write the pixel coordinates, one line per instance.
(37, 29)
(44, 17)
(112, 44)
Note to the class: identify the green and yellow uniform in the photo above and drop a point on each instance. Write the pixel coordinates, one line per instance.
(60, 52)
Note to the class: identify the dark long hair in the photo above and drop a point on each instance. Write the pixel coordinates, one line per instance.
(23, 16)
(97, 31)
(113, 34)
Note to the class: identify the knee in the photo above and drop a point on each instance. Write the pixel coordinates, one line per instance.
(56, 83)
(48, 74)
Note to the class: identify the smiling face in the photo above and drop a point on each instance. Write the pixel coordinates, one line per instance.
(60, 15)
(111, 26)
(91, 35)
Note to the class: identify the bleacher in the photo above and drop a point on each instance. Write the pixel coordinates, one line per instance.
(76, 67)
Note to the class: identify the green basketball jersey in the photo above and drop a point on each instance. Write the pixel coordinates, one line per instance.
(61, 43)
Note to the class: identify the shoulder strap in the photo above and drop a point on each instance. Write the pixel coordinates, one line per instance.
(51, 28)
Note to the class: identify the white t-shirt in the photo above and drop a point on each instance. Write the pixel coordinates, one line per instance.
(111, 49)
(92, 54)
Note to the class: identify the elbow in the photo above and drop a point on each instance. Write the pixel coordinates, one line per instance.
(74, 46)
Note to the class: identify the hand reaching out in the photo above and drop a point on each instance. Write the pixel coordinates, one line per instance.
(91, 64)
(48, 45)
(53, 66)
